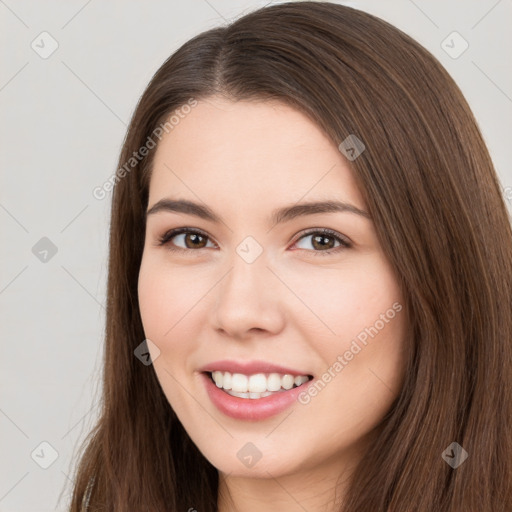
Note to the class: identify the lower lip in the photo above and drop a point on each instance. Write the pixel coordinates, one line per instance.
(248, 408)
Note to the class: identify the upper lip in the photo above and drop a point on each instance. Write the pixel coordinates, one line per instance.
(249, 367)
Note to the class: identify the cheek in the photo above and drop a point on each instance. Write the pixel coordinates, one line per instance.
(159, 305)
(167, 297)
(173, 303)
(165, 306)
(343, 301)
(153, 294)
(357, 330)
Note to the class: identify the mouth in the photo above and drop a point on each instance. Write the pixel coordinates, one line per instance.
(253, 390)
(256, 386)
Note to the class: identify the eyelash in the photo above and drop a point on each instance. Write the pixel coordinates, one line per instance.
(344, 243)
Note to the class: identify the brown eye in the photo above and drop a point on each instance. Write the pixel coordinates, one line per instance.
(183, 239)
(323, 241)
(194, 240)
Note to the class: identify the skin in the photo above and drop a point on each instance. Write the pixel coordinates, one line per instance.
(292, 306)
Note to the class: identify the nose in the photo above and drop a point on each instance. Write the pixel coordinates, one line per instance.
(249, 300)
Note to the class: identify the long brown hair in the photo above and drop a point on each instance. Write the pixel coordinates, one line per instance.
(430, 186)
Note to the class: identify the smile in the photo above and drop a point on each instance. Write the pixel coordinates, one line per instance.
(280, 391)
(259, 385)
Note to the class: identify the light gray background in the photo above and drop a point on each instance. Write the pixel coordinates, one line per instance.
(62, 125)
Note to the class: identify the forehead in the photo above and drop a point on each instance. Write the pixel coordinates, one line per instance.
(264, 152)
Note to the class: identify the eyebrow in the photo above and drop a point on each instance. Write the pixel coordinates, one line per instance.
(278, 216)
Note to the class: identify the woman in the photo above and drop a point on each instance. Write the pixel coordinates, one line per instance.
(375, 377)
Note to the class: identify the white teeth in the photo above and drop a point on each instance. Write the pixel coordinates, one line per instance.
(257, 385)
(239, 382)
(249, 395)
(226, 384)
(217, 377)
(274, 382)
(241, 395)
(300, 379)
(287, 382)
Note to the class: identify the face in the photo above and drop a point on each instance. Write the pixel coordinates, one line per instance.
(268, 300)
